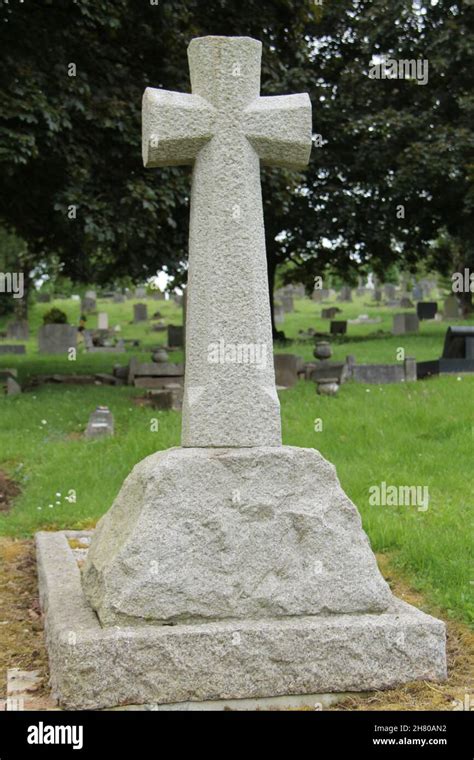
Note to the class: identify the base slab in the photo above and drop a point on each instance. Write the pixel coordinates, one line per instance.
(93, 667)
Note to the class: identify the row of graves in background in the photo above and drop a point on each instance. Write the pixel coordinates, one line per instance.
(458, 351)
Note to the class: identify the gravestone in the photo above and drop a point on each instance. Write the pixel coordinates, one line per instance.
(338, 327)
(140, 292)
(231, 567)
(102, 321)
(451, 308)
(286, 370)
(101, 422)
(88, 303)
(330, 313)
(118, 298)
(405, 323)
(287, 302)
(377, 295)
(389, 291)
(18, 330)
(56, 339)
(13, 387)
(345, 294)
(278, 313)
(14, 348)
(406, 303)
(426, 309)
(175, 336)
(317, 295)
(140, 312)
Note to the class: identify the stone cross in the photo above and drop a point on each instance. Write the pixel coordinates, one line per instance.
(225, 129)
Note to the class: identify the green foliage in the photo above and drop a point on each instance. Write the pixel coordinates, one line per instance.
(55, 317)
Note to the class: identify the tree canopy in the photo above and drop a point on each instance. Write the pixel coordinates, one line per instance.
(71, 85)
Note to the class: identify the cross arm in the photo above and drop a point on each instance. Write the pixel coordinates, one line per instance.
(279, 129)
(175, 126)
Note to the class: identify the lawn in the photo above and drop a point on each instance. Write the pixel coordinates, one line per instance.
(417, 434)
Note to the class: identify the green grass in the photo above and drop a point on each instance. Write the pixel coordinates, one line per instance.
(416, 434)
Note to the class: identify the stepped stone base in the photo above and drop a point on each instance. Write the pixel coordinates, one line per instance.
(95, 667)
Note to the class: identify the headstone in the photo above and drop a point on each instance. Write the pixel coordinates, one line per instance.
(345, 294)
(417, 292)
(317, 295)
(18, 330)
(118, 298)
(103, 320)
(286, 370)
(406, 303)
(338, 327)
(140, 312)
(287, 302)
(101, 422)
(451, 308)
(13, 387)
(278, 313)
(389, 291)
(377, 295)
(330, 313)
(56, 339)
(233, 566)
(426, 309)
(14, 348)
(140, 292)
(405, 323)
(88, 304)
(175, 336)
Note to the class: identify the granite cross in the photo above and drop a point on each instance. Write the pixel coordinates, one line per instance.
(225, 129)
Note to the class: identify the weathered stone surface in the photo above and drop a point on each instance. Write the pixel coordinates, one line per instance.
(225, 128)
(405, 323)
(198, 534)
(93, 667)
(56, 339)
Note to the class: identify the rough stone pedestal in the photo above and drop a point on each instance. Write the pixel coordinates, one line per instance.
(225, 574)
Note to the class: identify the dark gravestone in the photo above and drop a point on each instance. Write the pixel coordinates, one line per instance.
(175, 336)
(286, 369)
(88, 304)
(330, 313)
(12, 349)
(140, 312)
(338, 327)
(458, 354)
(345, 294)
(426, 309)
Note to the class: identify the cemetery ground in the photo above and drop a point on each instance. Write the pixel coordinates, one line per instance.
(401, 434)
